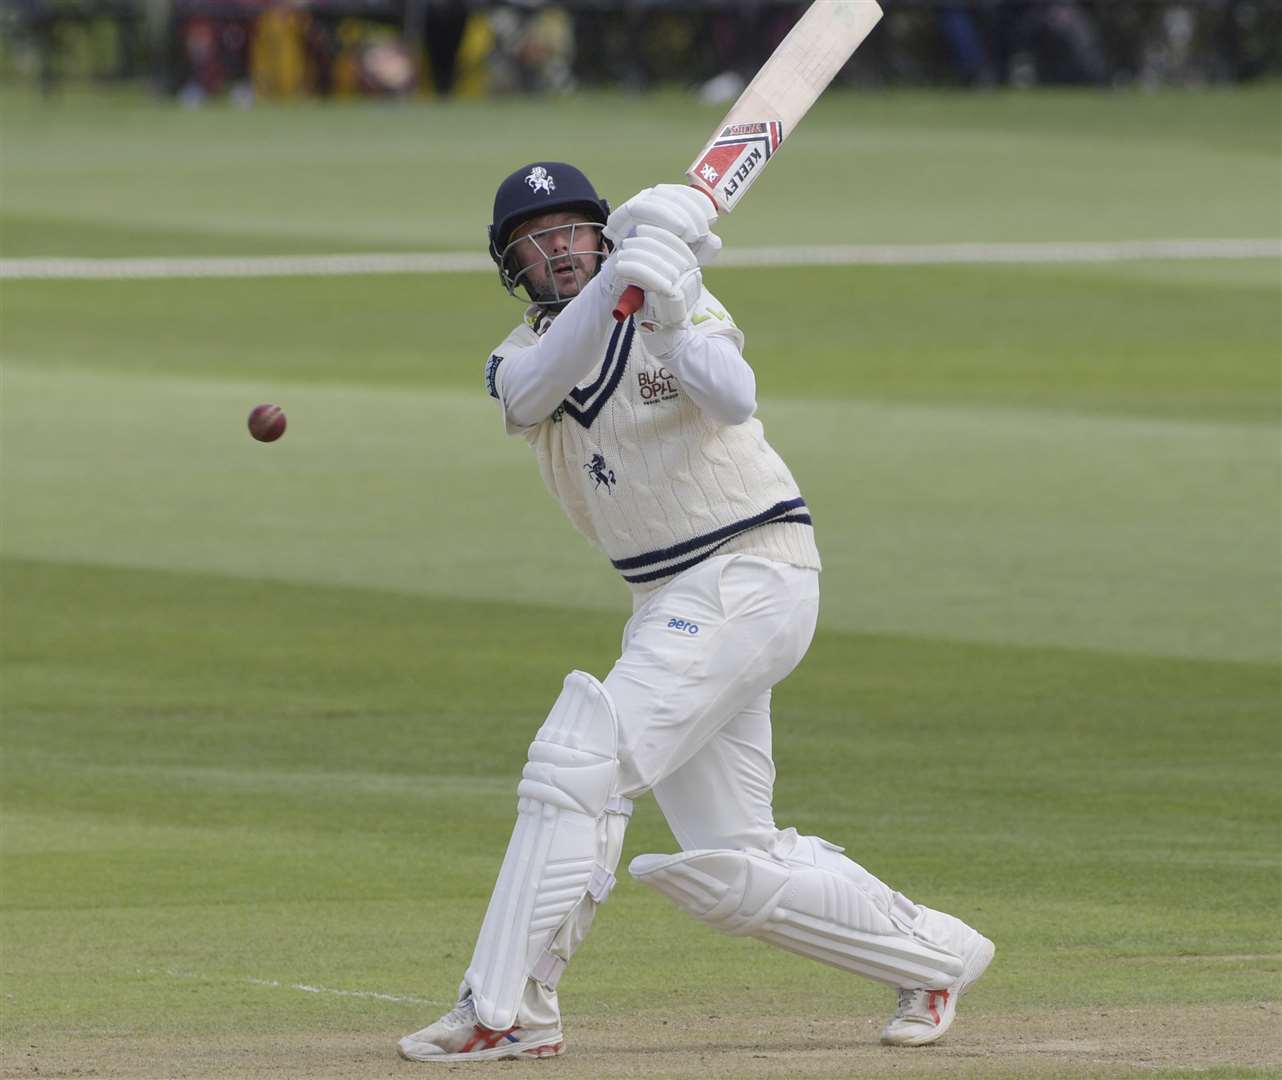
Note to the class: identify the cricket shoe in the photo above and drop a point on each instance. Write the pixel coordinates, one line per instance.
(457, 1036)
(925, 1014)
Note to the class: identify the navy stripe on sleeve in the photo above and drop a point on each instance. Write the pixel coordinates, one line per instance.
(616, 361)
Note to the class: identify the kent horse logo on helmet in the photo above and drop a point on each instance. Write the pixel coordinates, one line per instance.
(541, 180)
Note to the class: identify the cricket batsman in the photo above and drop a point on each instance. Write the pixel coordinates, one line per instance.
(644, 432)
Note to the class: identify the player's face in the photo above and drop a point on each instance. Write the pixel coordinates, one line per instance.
(556, 254)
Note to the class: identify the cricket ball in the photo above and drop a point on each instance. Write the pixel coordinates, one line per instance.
(267, 423)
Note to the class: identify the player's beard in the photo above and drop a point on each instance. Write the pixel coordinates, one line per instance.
(555, 280)
(563, 278)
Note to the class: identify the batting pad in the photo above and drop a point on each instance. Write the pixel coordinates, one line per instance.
(803, 909)
(558, 850)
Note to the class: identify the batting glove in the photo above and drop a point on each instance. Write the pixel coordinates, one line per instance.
(664, 266)
(683, 211)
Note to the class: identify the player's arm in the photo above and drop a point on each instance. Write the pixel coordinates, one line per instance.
(712, 370)
(532, 381)
(709, 366)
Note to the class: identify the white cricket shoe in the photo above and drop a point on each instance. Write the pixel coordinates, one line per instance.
(457, 1036)
(925, 1014)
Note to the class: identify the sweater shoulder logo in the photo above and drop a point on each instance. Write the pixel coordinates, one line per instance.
(596, 468)
(491, 375)
(658, 384)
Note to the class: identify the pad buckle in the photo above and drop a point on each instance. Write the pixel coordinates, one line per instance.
(548, 970)
(619, 805)
(600, 884)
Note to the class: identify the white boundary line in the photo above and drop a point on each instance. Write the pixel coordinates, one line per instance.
(940, 254)
(457, 262)
(377, 995)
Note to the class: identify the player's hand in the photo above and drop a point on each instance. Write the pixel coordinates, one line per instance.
(663, 265)
(683, 211)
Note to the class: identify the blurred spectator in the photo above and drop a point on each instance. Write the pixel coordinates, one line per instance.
(278, 59)
(215, 52)
(959, 25)
(534, 48)
(443, 24)
(1048, 42)
(52, 41)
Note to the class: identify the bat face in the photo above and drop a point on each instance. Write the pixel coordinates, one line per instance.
(779, 96)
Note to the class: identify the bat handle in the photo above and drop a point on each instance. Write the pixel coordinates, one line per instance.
(629, 303)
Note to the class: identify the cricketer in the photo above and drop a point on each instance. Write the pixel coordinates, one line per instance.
(644, 432)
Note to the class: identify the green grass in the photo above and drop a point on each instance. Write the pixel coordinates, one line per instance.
(264, 706)
(110, 178)
(1149, 339)
(212, 776)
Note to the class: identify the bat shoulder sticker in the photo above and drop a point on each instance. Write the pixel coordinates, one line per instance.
(731, 162)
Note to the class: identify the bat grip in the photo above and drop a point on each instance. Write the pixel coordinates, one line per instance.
(629, 303)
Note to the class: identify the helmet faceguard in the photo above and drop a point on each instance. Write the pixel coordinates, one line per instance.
(553, 264)
(532, 191)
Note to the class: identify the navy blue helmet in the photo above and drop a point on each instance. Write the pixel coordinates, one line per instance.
(539, 188)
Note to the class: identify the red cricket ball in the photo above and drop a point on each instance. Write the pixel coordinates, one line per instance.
(267, 423)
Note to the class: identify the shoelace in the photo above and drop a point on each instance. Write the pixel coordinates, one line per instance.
(462, 1013)
(907, 998)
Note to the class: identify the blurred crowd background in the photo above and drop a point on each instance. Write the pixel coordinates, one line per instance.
(249, 50)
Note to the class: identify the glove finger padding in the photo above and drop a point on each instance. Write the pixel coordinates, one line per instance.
(622, 221)
(666, 213)
(701, 207)
(662, 266)
(665, 267)
(706, 249)
(680, 210)
(704, 242)
(660, 250)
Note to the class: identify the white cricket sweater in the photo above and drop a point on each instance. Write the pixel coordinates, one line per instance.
(654, 478)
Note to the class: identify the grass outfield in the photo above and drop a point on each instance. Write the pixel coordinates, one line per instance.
(264, 706)
(130, 177)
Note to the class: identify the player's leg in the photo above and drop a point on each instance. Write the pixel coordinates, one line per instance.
(742, 875)
(723, 796)
(694, 655)
(668, 688)
(559, 866)
(745, 623)
(699, 652)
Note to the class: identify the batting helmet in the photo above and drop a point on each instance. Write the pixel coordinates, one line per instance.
(539, 188)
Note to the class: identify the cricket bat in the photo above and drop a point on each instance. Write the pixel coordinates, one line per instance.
(780, 94)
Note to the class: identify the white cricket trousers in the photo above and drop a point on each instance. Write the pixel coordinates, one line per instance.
(692, 691)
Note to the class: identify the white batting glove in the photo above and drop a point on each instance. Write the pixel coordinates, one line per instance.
(683, 211)
(663, 265)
